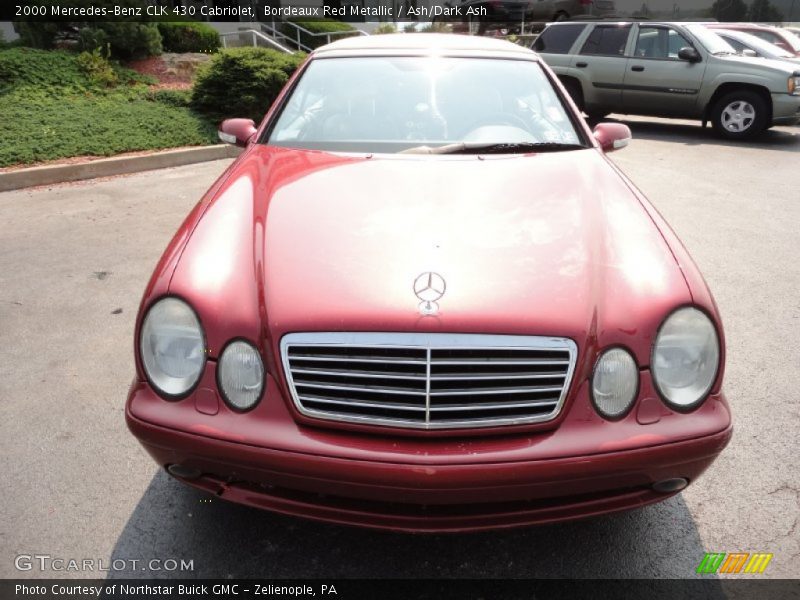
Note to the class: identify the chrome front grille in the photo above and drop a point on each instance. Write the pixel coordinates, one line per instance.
(428, 381)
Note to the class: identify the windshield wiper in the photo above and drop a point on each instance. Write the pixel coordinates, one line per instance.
(494, 148)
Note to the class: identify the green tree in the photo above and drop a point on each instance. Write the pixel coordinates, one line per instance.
(729, 10)
(765, 12)
(385, 28)
(242, 82)
(126, 38)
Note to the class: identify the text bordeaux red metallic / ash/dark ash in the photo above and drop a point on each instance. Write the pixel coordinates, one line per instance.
(423, 299)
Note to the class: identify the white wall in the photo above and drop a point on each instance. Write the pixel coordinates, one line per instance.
(8, 31)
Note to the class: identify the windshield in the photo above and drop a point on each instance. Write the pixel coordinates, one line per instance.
(713, 43)
(755, 43)
(393, 104)
(791, 39)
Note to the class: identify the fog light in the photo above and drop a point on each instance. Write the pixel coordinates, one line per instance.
(183, 472)
(669, 486)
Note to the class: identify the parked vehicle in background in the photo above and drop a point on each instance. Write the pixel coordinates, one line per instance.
(516, 16)
(679, 70)
(490, 18)
(746, 44)
(778, 36)
(559, 10)
(508, 12)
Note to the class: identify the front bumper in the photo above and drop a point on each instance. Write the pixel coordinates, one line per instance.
(785, 109)
(435, 498)
(585, 467)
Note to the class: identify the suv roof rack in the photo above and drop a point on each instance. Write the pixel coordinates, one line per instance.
(612, 18)
(621, 19)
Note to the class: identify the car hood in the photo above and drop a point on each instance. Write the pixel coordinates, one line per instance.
(779, 65)
(553, 244)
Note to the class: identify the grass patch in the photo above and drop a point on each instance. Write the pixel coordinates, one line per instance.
(52, 107)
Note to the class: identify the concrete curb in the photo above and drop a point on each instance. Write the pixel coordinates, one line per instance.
(117, 165)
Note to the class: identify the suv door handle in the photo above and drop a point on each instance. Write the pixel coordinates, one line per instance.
(637, 68)
(581, 65)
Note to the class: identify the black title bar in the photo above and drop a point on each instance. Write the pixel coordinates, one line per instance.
(391, 589)
(494, 11)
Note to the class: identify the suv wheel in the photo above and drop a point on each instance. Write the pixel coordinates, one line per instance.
(740, 115)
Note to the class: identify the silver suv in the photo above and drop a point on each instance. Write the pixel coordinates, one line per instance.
(679, 70)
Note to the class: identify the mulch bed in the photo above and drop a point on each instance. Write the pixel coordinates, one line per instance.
(167, 77)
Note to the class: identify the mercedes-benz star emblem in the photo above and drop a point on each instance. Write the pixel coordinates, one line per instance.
(429, 287)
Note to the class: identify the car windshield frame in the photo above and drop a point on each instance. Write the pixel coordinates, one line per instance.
(569, 118)
(757, 44)
(710, 40)
(791, 38)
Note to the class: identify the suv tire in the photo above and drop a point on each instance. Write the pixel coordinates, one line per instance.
(740, 115)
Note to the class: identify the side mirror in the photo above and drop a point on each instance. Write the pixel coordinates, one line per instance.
(689, 54)
(612, 136)
(749, 53)
(236, 131)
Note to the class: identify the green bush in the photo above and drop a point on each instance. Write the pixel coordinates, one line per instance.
(317, 26)
(42, 35)
(41, 68)
(38, 127)
(385, 28)
(180, 98)
(17, 43)
(437, 27)
(59, 71)
(56, 104)
(190, 36)
(97, 68)
(127, 39)
(242, 82)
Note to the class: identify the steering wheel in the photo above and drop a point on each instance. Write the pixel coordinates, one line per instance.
(498, 119)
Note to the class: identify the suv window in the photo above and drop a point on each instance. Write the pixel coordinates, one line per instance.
(737, 45)
(607, 41)
(557, 39)
(767, 36)
(659, 42)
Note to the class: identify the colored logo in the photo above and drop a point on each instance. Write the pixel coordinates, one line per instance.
(734, 563)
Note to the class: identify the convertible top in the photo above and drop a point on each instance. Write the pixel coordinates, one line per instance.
(423, 43)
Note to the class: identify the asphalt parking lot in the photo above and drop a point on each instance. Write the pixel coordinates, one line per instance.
(74, 260)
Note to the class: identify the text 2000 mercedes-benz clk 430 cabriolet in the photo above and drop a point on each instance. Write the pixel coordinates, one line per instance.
(424, 299)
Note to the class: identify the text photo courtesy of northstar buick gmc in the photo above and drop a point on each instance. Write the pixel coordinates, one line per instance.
(424, 299)
(675, 70)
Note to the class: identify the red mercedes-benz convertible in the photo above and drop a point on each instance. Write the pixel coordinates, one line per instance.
(424, 299)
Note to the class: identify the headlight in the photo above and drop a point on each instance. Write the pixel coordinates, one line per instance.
(794, 85)
(685, 358)
(240, 374)
(615, 382)
(171, 347)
